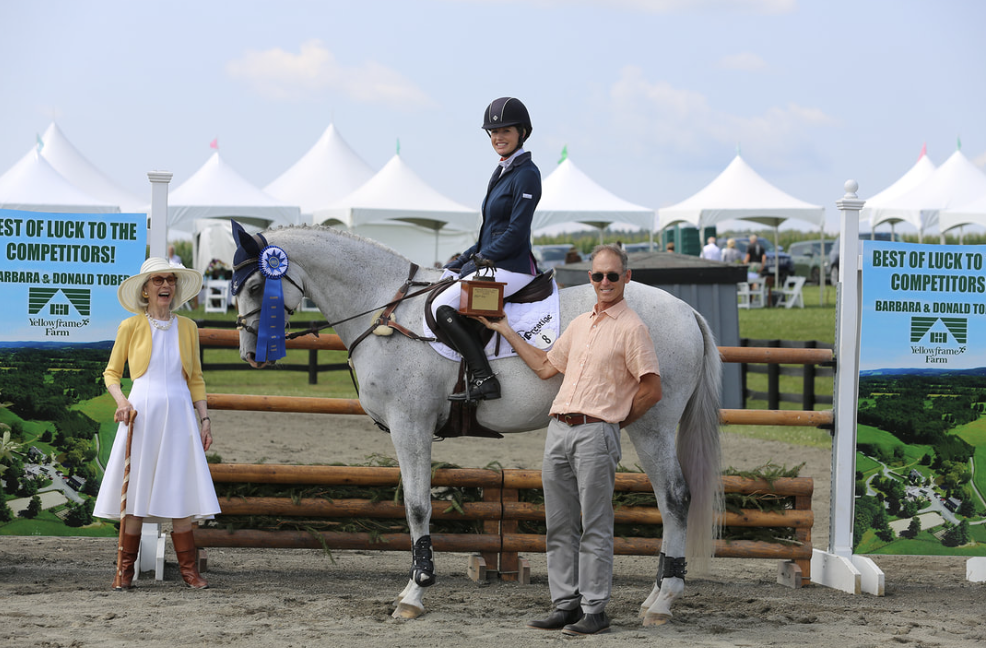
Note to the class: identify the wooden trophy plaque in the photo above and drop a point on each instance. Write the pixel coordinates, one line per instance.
(481, 296)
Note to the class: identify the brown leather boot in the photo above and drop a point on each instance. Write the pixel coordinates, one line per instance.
(188, 559)
(128, 556)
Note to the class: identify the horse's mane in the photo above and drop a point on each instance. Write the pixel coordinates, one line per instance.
(326, 229)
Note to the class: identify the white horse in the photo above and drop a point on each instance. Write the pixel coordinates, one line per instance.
(404, 385)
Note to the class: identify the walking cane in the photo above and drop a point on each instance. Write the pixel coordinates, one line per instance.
(118, 581)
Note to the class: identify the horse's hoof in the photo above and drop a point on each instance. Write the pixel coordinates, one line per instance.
(643, 611)
(655, 619)
(405, 611)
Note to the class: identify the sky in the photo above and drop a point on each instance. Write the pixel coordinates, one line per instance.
(651, 98)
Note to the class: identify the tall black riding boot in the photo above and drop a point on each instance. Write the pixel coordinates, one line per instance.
(482, 384)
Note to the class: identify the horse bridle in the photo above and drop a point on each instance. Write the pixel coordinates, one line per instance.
(241, 320)
(383, 320)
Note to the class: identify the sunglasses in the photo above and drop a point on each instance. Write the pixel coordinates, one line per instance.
(612, 276)
(159, 281)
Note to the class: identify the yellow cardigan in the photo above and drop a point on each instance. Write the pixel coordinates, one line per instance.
(133, 343)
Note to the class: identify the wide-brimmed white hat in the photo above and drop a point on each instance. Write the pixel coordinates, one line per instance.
(188, 284)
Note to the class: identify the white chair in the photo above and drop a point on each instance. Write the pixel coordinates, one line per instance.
(749, 297)
(216, 295)
(790, 293)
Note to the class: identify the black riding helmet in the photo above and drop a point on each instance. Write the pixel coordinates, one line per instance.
(508, 111)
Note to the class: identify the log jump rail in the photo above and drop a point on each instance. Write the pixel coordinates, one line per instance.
(501, 512)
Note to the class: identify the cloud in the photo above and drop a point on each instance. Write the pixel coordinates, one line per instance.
(681, 124)
(770, 7)
(766, 7)
(744, 61)
(284, 76)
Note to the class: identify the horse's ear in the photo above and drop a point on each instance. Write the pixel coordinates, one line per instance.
(244, 240)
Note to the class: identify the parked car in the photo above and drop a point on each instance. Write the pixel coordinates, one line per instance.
(549, 256)
(786, 268)
(809, 259)
(834, 253)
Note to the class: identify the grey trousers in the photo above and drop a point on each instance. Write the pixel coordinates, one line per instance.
(578, 472)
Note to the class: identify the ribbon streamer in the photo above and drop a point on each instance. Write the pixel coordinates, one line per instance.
(270, 328)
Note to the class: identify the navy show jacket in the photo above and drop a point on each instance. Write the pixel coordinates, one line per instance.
(508, 213)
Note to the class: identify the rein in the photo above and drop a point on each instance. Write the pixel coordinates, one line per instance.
(383, 320)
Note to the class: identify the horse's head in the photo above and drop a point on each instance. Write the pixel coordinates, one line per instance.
(250, 283)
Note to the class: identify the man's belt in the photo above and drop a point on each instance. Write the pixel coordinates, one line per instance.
(576, 419)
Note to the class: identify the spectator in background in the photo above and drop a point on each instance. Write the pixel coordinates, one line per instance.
(670, 247)
(172, 257)
(731, 254)
(711, 251)
(573, 256)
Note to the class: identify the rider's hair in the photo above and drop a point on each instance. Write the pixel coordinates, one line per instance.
(615, 249)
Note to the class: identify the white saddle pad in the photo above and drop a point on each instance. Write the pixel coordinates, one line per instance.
(538, 323)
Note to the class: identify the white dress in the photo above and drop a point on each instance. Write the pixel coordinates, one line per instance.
(169, 475)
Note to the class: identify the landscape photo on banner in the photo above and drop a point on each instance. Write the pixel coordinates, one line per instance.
(59, 275)
(921, 435)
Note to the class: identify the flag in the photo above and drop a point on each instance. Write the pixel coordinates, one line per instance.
(214, 144)
(924, 150)
(564, 154)
(398, 146)
(41, 142)
(958, 142)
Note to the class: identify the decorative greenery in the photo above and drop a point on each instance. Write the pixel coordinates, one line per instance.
(457, 496)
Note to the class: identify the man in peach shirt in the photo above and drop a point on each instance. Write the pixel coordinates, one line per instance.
(611, 379)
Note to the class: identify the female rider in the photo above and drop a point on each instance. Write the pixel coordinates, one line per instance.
(504, 239)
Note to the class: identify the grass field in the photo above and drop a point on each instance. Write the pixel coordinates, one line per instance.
(975, 435)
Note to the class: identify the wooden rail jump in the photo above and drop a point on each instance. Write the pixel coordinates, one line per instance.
(501, 512)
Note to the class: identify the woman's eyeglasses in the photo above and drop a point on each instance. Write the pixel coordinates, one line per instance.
(159, 281)
(598, 276)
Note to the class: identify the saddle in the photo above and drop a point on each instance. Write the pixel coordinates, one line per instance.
(538, 289)
(462, 414)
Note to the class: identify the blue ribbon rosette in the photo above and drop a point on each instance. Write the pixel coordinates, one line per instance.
(270, 328)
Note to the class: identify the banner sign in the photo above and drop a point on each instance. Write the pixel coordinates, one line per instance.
(59, 274)
(921, 434)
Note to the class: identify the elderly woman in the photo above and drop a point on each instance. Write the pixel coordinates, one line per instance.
(504, 238)
(169, 475)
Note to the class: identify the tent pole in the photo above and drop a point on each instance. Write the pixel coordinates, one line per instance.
(821, 268)
(777, 261)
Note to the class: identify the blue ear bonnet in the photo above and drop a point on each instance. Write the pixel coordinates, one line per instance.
(246, 258)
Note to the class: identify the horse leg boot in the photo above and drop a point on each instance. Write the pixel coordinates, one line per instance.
(187, 559)
(128, 552)
(482, 384)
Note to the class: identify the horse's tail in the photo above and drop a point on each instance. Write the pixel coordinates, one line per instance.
(699, 455)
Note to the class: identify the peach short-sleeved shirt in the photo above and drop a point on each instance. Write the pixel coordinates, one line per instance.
(603, 356)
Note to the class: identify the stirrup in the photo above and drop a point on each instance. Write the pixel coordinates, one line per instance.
(474, 390)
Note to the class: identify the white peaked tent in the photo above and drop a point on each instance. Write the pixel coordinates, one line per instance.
(33, 185)
(740, 193)
(210, 198)
(916, 175)
(77, 169)
(957, 181)
(329, 171)
(216, 190)
(971, 213)
(434, 227)
(570, 196)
